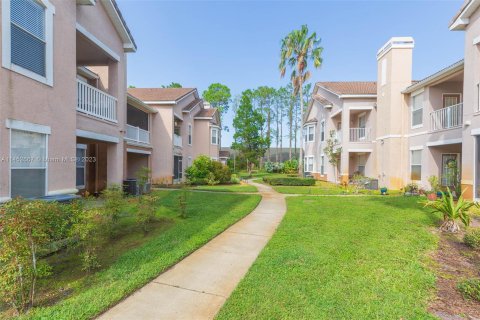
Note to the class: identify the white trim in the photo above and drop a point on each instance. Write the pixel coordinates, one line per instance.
(61, 192)
(27, 126)
(463, 18)
(7, 39)
(360, 150)
(475, 132)
(189, 134)
(476, 40)
(395, 42)
(96, 136)
(5, 199)
(443, 142)
(366, 108)
(176, 115)
(343, 96)
(171, 101)
(84, 71)
(415, 148)
(389, 136)
(416, 134)
(416, 93)
(217, 138)
(131, 150)
(97, 42)
(336, 113)
(118, 23)
(418, 126)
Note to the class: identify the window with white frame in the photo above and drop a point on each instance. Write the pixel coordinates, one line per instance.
(309, 133)
(417, 110)
(214, 135)
(28, 174)
(27, 38)
(416, 165)
(308, 164)
(81, 166)
(190, 134)
(322, 130)
(322, 164)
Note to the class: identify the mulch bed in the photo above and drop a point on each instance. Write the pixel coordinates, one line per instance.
(453, 262)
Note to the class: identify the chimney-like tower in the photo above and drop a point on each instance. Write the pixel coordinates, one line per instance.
(394, 74)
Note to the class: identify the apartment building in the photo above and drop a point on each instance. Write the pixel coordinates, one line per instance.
(63, 102)
(183, 128)
(395, 129)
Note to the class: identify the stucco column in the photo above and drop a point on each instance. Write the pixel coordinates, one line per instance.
(344, 158)
(115, 162)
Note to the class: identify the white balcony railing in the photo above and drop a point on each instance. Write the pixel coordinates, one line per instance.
(177, 140)
(137, 135)
(338, 136)
(95, 102)
(447, 118)
(360, 134)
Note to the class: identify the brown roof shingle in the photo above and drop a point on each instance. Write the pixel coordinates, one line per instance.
(350, 87)
(206, 113)
(160, 94)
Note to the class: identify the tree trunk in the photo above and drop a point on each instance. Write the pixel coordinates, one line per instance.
(277, 134)
(269, 120)
(450, 226)
(281, 130)
(300, 160)
(290, 133)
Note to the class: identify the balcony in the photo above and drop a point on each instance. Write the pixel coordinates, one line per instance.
(136, 134)
(447, 118)
(338, 136)
(95, 102)
(177, 140)
(360, 134)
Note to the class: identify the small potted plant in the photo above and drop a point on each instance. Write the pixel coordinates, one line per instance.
(383, 191)
(433, 194)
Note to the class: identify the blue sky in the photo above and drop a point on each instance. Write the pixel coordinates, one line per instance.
(237, 43)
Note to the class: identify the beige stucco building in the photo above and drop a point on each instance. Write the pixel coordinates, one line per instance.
(395, 130)
(183, 128)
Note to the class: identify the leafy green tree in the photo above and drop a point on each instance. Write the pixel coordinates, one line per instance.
(218, 95)
(333, 152)
(173, 85)
(298, 48)
(131, 86)
(265, 98)
(282, 99)
(248, 123)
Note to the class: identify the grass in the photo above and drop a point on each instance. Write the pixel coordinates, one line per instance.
(358, 258)
(228, 188)
(133, 260)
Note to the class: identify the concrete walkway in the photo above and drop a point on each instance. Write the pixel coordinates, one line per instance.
(198, 286)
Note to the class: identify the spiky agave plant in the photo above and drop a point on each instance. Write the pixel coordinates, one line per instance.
(451, 211)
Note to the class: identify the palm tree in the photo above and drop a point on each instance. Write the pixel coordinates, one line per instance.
(298, 48)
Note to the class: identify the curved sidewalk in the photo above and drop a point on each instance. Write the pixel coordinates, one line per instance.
(198, 286)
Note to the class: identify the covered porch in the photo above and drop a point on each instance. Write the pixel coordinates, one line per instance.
(444, 161)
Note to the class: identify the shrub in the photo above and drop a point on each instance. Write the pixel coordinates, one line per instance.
(472, 238)
(203, 169)
(114, 201)
(91, 233)
(143, 177)
(234, 179)
(290, 166)
(470, 288)
(274, 167)
(26, 226)
(211, 180)
(289, 181)
(433, 180)
(146, 211)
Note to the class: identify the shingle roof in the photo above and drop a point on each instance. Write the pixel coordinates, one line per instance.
(313, 120)
(350, 87)
(322, 100)
(206, 113)
(189, 107)
(160, 94)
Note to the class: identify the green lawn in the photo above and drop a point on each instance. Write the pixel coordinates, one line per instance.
(228, 188)
(134, 259)
(358, 258)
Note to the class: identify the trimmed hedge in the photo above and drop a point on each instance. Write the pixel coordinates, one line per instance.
(289, 181)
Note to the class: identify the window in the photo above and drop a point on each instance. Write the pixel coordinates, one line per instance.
(322, 164)
(214, 136)
(80, 166)
(362, 123)
(28, 164)
(416, 165)
(190, 134)
(417, 111)
(322, 130)
(308, 164)
(384, 72)
(309, 133)
(27, 44)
